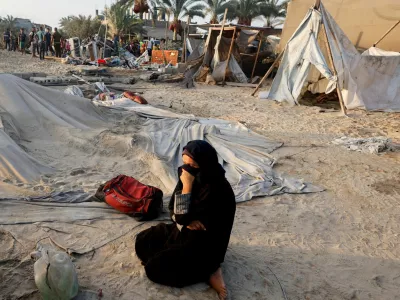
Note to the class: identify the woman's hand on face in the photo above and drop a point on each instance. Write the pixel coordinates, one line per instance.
(187, 179)
(196, 225)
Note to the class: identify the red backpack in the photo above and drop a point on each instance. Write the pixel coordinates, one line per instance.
(129, 196)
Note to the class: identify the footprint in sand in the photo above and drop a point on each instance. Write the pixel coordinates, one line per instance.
(77, 172)
(378, 280)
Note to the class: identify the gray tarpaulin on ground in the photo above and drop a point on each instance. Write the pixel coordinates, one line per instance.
(244, 154)
(35, 116)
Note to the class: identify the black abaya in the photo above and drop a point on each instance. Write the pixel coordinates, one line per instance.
(177, 256)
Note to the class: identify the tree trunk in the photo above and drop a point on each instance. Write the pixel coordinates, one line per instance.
(244, 21)
(141, 15)
(174, 38)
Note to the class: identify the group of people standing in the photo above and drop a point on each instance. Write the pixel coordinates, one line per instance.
(40, 42)
(137, 48)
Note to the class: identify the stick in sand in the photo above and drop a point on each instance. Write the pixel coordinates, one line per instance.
(268, 72)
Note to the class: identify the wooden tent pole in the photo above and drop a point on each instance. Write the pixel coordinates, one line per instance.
(328, 47)
(186, 34)
(223, 22)
(229, 54)
(317, 4)
(258, 52)
(387, 32)
(269, 72)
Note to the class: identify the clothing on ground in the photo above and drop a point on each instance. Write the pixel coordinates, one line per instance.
(177, 256)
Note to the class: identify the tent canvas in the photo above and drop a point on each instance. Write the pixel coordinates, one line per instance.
(223, 44)
(320, 57)
(363, 21)
(217, 50)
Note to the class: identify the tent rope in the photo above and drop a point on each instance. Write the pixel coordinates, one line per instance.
(283, 290)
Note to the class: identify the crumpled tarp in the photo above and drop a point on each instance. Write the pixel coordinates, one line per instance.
(245, 38)
(33, 109)
(74, 90)
(38, 117)
(243, 153)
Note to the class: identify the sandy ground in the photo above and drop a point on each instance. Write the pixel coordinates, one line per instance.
(339, 244)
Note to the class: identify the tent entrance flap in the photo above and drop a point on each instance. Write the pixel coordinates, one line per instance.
(303, 56)
(319, 47)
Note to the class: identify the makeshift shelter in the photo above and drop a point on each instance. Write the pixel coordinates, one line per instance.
(363, 21)
(223, 44)
(320, 58)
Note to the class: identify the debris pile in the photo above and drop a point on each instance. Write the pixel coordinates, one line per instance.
(373, 145)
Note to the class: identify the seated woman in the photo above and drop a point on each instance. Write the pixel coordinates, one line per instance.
(202, 208)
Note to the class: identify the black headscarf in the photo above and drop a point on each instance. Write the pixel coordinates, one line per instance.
(210, 173)
(206, 157)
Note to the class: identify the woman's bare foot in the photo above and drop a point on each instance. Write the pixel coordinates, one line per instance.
(218, 284)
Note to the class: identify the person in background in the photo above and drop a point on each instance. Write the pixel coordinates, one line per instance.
(47, 39)
(62, 46)
(7, 39)
(162, 44)
(150, 46)
(22, 41)
(13, 41)
(33, 39)
(136, 48)
(67, 47)
(142, 47)
(116, 44)
(41, 42)
(56, 41)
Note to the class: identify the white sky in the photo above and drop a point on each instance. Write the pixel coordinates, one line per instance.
(49, 12)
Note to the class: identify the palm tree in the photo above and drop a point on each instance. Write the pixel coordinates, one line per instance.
(9, 22)
(215, 9)
(180, 9)
(277, 12)
(80, 26)
(246, 10)
(119, 20)
(243, 10)
(155, 11)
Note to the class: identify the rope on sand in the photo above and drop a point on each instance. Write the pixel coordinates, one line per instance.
(283, 291)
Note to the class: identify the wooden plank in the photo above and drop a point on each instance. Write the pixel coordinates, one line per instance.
(328, 47)
(223, 23)
(225, 28)
(258, 52)
(229, 54)
(239, 84)
(387, 32)
(268, 72)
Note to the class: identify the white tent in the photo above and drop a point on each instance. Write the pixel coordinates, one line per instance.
(319, 57)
